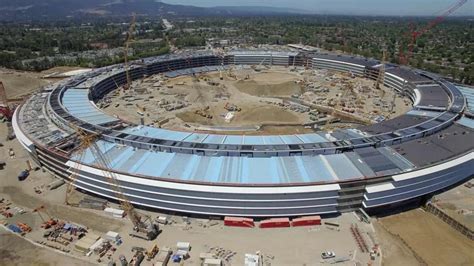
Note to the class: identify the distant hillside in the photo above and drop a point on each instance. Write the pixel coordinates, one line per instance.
(31, 10)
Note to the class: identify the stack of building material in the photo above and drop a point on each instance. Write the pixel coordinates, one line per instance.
(252, 260)
(93, 203)
(275, 222)
(116, 213)
(237, 221)
(212, 262)
(55, 184)
(306, 221)
(163, 256)
(95, 247)
(84, 244)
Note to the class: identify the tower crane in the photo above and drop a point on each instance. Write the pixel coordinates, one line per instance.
(381, 76)
(143, 228)
(414, 34)
(128, 41)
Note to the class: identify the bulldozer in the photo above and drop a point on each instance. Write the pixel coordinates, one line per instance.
(150, 254)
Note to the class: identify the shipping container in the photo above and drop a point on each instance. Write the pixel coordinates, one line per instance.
(306, 221)
(275, 222)
(239, 222)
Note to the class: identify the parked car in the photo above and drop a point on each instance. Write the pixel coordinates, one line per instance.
(23, 175)
(328, 255)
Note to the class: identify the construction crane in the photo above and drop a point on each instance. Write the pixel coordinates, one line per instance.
(85, 141)
(4, 106)
(143, 228)
(414, 34)
(47, 223)
(128, 41)
(7, 105)
(381, 75)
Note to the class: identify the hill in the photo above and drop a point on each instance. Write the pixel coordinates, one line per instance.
(34, 10)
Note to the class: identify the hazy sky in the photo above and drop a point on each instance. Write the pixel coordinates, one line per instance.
(356, 7)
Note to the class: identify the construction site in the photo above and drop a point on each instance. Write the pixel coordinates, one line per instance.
(53, 230)
(75, 228)
(239, 157)
(265, 100)
(58, 218)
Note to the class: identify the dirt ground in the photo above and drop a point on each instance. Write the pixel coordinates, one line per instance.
(15, 250)
(268, 89)
(458, 203)
(19, 83)
(260, 96)
(252, 114)
(426, 239)
(394, 251)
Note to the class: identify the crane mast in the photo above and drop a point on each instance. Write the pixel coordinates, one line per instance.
(128, 41)
(381, 75)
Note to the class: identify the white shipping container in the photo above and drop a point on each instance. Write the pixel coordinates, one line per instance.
(183, 246)
(114, 212)
(162, 220)
(112, 236)
(212, 262)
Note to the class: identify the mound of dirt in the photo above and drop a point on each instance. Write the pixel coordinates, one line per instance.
(250, 115)
(266, 114)
(266, 89)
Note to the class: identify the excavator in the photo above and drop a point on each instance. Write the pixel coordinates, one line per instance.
(143, 226)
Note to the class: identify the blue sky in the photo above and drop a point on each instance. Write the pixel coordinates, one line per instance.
(355, 7)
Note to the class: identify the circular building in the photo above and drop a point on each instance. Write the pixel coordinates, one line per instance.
(380, 166)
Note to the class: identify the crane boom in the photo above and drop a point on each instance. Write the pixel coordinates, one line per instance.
(129, 39)
(88, 141)
(85, 141)
(381, 76)
(442, 17)
(113, 182)
(403, 58)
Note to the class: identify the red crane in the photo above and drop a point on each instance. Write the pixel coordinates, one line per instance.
(403, 58)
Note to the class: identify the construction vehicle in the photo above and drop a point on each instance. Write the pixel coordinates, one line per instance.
(231, 74)
(259, 68)
(123, 260)
(232, 107)
(141, 109)
(128, 41)
(150, 254)
(47, 223)
(23, 175)
(142, 228)
(24, 227)
(204, 112)
(137, 259)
